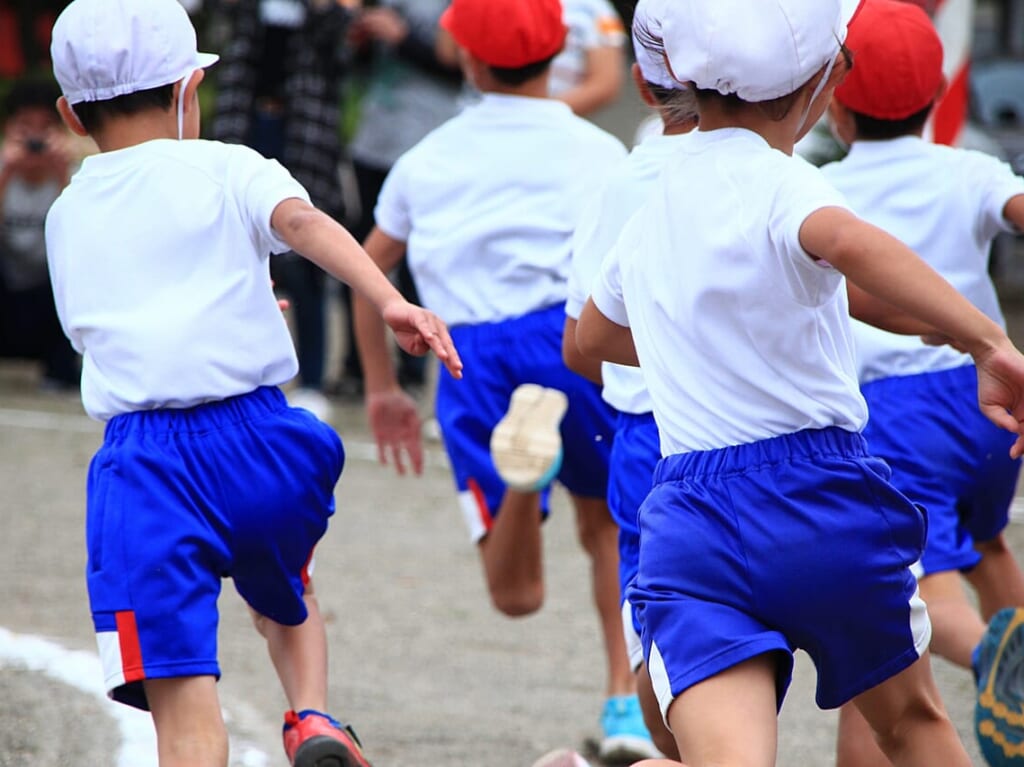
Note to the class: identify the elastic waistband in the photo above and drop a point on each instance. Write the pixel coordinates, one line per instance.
(512, 328)
(210, 416)
(738, 459)
(928, 381)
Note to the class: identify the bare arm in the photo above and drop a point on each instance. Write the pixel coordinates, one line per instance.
(588, 367)
(867, 308)
(884, 267)
(600, 338)
(1014, 211)
(393, 416)
(602, 83)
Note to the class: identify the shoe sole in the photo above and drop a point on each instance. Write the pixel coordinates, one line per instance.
(626, 749)
(526, 446)
(324, 751)
(561, 758)
(999, 712)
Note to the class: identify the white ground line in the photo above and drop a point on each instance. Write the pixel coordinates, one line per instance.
(82, 671)
(41, 420)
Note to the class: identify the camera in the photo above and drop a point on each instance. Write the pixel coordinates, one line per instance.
(35, 145)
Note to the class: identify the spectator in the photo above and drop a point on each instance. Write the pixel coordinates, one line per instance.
(410, 91)
(279, 83)
(588, 74)
(34, 168)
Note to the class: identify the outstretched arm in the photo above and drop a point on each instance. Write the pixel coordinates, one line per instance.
(884, 267)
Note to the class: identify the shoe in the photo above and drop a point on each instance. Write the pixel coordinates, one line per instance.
(563, 757)
(526, 445)
(312, 400)
(999, 671)
(626, 738)
(314, 739)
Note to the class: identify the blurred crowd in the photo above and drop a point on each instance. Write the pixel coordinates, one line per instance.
(336, 90)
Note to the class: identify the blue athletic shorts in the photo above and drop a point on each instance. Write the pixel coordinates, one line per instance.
(799, 541)
(636, 451)
(947, 456)
(498, 357)
(177, 500)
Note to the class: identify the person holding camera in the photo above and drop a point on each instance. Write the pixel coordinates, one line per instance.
(35, 166)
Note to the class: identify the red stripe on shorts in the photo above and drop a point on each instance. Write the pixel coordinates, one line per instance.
(481, 504)
(131, 650)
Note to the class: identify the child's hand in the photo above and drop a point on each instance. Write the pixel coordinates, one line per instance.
(419, 331)
(1001, 391)
(395, 423)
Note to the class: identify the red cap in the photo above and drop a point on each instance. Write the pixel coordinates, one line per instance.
(897, 61)
(507, 33)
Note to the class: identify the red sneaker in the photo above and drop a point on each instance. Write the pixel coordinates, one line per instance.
(315, 739)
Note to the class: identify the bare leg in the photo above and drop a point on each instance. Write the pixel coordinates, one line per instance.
(599, 536)
(997, 578)
(652, 714)
(299, 654)
(512, 555)
(729, 719)
(190, 731)
(956, 625)
(855, 742)
(909, 721)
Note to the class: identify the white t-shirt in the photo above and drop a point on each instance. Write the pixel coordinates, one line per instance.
(620, 197)
(159, 257)
(947, 205)
(592, 24)
(741, 335)
(488, 202)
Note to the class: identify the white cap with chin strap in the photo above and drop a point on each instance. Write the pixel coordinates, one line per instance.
(102, 49)
(756, 49)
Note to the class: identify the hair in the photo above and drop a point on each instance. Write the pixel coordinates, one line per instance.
(677, 105)
(93, 114)
(776, 109)
(516, 76)
(32, 93)
(877, 129)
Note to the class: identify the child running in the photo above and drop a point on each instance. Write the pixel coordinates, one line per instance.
(635, 450)
(947, 205)
(770, 527)
(484, 208)
(158, 253)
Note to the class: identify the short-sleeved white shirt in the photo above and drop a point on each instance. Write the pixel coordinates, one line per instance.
(741, 335)
(159, 258)
(621, 196)
(947, 205)
(488, 202)
(591, 24)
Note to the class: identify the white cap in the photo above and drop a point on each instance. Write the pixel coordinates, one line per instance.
(756, 49)
(107, 48)
(648, 46)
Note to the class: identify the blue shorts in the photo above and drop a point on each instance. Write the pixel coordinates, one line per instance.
(793, 542)
(498, 357)
(947, 456)
(177, 500)
(636, 451)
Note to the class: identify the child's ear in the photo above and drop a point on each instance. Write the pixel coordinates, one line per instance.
(67, 114)
(641, 86)
(192, 87)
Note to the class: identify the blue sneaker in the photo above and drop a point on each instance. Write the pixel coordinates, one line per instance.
(999, 671)
(526, 445)
(626, 738)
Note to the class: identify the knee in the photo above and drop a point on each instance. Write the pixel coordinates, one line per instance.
(895, 738)
(517, 602)
(596, 529)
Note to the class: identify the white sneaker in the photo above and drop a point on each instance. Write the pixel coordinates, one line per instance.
(526, 446)
(312, 400)
(563, 757)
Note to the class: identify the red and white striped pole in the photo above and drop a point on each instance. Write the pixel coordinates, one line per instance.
(954, 20)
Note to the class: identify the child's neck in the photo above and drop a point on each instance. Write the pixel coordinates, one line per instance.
(121, 132)
(780, 134)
